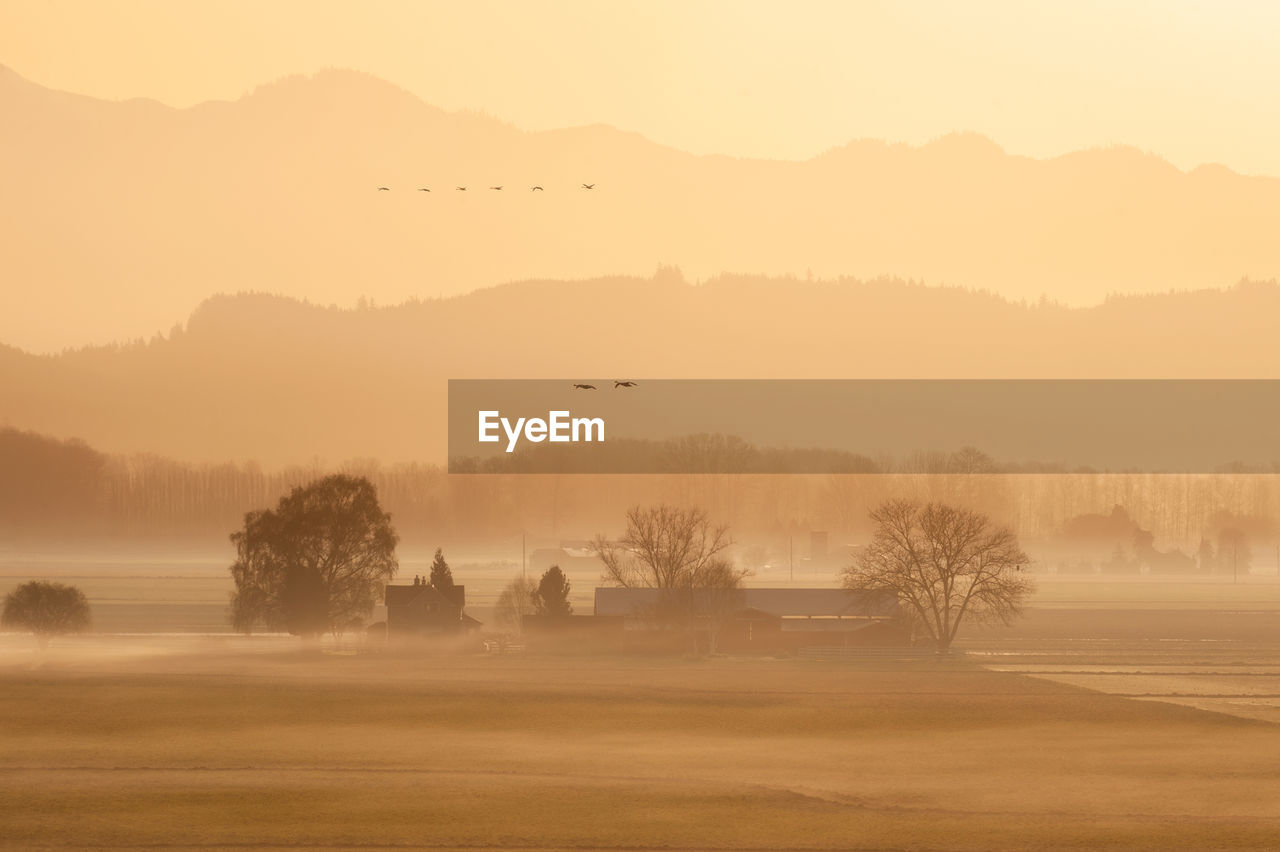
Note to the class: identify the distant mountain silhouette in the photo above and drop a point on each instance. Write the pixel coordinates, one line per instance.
(118, 216)
(278, 380)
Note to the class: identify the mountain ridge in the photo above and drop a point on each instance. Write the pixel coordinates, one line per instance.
(321, 79)
(124, 215)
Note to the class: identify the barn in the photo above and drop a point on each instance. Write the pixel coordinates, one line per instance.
(767, 620)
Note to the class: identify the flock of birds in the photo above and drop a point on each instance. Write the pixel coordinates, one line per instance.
(499, 188)
(496, 188)
(616, 385)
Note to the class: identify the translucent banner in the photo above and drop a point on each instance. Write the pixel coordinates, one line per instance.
(863, 426)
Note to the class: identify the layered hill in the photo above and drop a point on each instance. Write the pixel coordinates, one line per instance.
(277, 380)
(117, 217)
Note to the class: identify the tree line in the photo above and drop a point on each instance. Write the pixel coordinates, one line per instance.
(69, 492)
(318, 562)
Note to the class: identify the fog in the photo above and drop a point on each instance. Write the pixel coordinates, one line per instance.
(417, 745)
(252, 597)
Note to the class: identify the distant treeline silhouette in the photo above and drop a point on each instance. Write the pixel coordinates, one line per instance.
(1114, 543)
(718, 453)
(701, 453)
(68, 493)
(349, 369)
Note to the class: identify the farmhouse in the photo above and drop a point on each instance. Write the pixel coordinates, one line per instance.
(422, 610)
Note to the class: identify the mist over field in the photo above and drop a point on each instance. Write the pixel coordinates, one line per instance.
(251, 595)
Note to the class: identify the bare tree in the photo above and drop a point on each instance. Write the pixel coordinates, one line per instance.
(715, 598)
(677, 551)
(945, 564)
(664, 547)
(515, 602)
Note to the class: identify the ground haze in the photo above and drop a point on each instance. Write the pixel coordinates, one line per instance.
(284, 748)
(246, 246)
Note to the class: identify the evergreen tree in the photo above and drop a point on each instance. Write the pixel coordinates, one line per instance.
(441, 577)
(552, 595)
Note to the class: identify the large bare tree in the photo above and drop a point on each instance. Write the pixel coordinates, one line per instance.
(679, 552)
(664, 547)
(715, 598)
(515, 602)
(945, 564)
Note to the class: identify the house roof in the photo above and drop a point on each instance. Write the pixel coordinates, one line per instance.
(783, 603)
(408, 595)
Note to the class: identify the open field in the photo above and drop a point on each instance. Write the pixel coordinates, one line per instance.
(284, 748)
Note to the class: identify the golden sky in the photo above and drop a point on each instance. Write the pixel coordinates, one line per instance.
(1193, 81)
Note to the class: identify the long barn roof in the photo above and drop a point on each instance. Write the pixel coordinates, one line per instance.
(817, 603)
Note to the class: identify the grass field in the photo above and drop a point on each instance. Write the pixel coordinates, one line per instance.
(310, 750)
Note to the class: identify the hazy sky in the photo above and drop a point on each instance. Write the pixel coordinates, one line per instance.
(1194, 81)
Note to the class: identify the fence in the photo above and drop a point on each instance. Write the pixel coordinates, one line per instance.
(836, 652)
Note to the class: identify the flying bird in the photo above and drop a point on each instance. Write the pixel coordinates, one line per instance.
(618, 384)
(495, 187)
(585, 387)
(588, 186)
(384, 189)
(460, 188)
(535, 189)
(423, 189)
